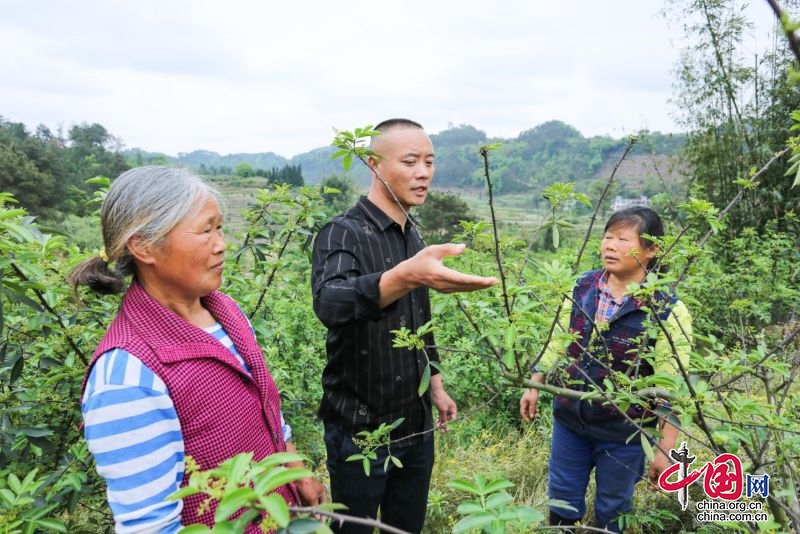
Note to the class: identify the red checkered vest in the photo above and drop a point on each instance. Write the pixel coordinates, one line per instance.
(222, 410)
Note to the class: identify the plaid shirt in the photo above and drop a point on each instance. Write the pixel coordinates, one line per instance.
(607, 306)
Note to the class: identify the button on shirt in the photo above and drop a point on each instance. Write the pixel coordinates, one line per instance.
(367, 381)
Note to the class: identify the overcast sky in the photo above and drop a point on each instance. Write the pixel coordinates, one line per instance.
(255, 76)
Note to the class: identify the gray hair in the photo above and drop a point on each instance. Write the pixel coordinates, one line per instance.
(147, 202)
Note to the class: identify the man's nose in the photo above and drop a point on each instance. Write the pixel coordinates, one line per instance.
(423, 171)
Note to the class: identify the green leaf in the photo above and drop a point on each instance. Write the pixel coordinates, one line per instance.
(276, 507)
(463, 485)
(425, 381)
(305, 525)
(396, 461)
(648, 448)
(11, 526)
(52, 524)
(279, 476)
(226, 527)
(476, 522)
(10, 214)
(280, 458)
(99, 180)
(8, 496)
(496, 500)
(21, 233)
(238, 466)
(36, 432)
(469, 507)
(14, 483)
(556, 239)
(16, 369)
(365, 463)
(397, 422)
(37, 513)
(23, 501)
(525, 514)
(185, 491)
(232, 502)
(497, 485)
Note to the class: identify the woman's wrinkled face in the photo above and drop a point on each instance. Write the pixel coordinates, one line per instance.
(623, 252)
(190, 261)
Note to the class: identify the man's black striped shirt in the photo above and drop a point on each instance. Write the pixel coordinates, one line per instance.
(367, 381)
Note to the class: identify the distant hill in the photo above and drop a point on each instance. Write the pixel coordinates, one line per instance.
(316, 164)
(263, 160)
(552, 151)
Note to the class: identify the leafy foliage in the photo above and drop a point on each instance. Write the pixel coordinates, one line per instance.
(47, 173)
(731, 250)
(339, 193)
(244, 489)
(736, 111)
(441, 216)
(494, 509)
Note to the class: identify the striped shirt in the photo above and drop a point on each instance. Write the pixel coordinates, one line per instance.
(367, 381)
(133, 432)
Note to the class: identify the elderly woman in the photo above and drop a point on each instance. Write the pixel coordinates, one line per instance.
(179, 372)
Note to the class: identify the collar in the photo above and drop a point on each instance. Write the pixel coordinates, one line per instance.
(378, 216)
(602, 287)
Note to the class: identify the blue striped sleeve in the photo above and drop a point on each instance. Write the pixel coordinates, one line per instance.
(132, 430)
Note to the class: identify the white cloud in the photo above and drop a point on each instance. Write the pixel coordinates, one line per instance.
(246, 76)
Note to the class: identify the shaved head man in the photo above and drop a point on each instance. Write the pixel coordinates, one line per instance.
(371, 275)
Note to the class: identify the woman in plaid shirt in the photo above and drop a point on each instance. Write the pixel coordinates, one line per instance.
(611, 326)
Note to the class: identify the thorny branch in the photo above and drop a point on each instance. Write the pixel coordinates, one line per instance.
(484, 150)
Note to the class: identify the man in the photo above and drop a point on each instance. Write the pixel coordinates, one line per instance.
(371, 274)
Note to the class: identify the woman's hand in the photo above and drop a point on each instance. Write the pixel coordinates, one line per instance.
(312, 491)
(529, 400)
(527, 404)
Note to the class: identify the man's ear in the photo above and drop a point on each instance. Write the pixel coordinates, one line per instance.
(140, 250)
(372, 163)
(650, 252)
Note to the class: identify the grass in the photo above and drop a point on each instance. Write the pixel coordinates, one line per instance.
(499, 452)
(520, 455)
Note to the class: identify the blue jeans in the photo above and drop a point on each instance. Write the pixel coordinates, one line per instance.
(401, 494)
(618, 466)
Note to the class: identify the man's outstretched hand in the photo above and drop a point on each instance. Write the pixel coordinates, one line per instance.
(428, 269)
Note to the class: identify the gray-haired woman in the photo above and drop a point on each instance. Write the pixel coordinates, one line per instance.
(179, 372)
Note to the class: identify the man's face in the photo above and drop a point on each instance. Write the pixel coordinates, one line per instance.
(406, 164)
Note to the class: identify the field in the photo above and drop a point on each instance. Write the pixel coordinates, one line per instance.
(740, 395)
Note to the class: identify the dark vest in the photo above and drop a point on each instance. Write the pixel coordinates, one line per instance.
(595, 357)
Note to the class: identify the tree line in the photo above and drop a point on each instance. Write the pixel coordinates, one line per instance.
(47, 171)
